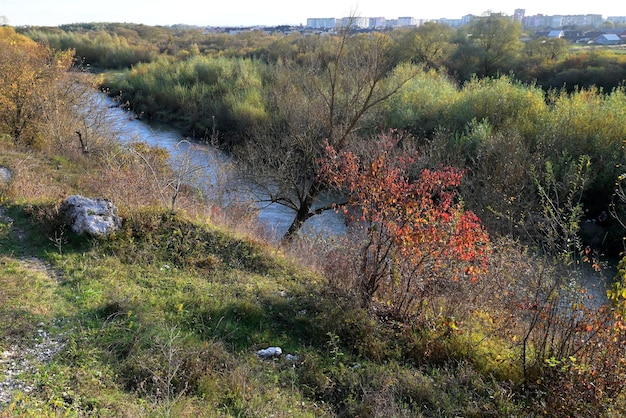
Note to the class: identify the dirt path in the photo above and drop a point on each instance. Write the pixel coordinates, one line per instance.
(20, 359)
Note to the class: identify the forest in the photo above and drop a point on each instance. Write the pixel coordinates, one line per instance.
(480, 172)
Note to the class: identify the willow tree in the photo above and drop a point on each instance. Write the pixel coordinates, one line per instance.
(325, 95)
(488, 45)
(428, 44)
(546, 49)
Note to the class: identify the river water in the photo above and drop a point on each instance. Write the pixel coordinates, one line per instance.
(216, 166)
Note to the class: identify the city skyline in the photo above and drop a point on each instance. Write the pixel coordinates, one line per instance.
(272, 13)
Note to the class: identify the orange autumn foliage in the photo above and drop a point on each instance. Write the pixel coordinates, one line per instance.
(417, 235)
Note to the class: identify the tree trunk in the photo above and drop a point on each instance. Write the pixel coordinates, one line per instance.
(302, 215)
(83, 145)
(304, 212)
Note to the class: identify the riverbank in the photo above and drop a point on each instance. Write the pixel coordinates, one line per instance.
(213, 170)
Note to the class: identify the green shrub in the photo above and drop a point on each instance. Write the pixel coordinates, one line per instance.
(197, 95)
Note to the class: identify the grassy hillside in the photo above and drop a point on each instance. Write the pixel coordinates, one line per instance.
(165, 318)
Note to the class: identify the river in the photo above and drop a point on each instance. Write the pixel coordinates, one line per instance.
(216, 165)
(218, 170)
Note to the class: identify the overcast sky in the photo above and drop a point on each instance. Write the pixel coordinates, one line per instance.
(274, 12)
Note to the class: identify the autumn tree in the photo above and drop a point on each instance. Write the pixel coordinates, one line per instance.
(416, 237)
(326, 95)
(29, 72)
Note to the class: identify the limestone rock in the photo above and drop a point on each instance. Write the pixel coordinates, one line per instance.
(94, 217)
(5, 176)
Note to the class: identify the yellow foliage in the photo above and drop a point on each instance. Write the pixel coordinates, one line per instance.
(29, 73)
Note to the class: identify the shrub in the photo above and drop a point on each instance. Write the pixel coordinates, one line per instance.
(414, 238)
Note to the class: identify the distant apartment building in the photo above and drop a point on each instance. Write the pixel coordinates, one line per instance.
(561, 21)
(361, 22)
(391, 23)
(377, 22)
(455, 23)
(582, 20)
(536, 22)
(402, 22)
(321, 23)
(407, 21)
(355, 22)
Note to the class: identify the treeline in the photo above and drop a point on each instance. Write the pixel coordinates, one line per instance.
(122, 45)
(489, 46)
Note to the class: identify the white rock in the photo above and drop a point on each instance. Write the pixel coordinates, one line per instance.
(269, 352)
(5, 175)
(95, 217)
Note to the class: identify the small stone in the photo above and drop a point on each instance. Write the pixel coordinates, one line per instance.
(6, 175)
(269, 352)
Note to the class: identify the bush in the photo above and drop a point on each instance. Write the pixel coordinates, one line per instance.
(198, 95)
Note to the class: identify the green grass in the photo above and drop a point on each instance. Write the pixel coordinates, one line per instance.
(28, 298)
(153, 331)
(165, 317)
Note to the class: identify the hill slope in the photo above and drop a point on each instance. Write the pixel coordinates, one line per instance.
(165, 319)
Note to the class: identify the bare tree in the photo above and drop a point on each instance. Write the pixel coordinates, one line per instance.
(326, 95)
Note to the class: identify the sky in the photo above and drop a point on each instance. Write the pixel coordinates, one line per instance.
(274, 12)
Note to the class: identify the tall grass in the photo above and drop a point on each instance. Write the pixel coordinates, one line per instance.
(197, 95)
